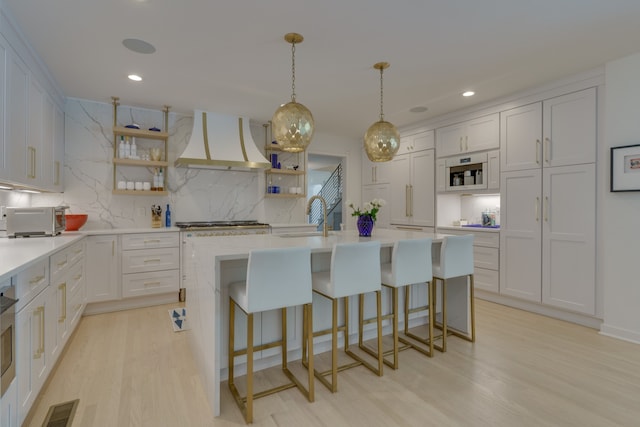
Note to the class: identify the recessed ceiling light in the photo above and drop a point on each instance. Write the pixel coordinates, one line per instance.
(135, 77)
(138, 46)
(468, 93)
(420, 109)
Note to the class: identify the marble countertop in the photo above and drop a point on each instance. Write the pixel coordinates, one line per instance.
(238, 247)
(127, 231)
(460, 227)
(17, 254)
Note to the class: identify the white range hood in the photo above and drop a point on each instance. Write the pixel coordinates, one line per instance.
(221, 141)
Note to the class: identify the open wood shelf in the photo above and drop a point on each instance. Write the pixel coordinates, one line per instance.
(138, 162)
(143, 193)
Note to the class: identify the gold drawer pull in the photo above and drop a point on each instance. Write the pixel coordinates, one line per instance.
(78, 277)
(152, 283)
(60, 264)
(152, 241)
(152, 260)
(35, 280)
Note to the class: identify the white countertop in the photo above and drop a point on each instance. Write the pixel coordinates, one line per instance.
(238, 247)
(17, 254)
(460, 227)
(127, 231)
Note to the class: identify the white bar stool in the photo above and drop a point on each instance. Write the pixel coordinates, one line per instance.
(276, 279)
(355, 270)
(456, 260)
(410, 264)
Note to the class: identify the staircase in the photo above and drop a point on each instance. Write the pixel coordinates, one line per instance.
(331, 192)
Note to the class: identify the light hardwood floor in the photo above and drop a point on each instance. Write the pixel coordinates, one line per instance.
(130, 369)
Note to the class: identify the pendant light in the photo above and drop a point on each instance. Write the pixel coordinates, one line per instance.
(292, 122)
(382, 140)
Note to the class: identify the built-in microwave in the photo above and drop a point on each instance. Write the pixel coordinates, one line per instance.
(466, 173)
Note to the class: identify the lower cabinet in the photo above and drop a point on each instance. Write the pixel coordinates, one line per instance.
(378, 191)
(486, 258)
(9, 406)
(132, 265)
(103, 268)
(32, 359)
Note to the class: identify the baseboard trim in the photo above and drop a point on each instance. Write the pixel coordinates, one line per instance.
(129, 303)
(620, 333)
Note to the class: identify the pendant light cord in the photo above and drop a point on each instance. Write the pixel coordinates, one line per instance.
(293, 72)
(381, 96)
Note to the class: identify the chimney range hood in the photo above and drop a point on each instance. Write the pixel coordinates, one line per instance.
(221, 141)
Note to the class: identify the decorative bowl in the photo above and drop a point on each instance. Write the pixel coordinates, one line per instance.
(75, 221)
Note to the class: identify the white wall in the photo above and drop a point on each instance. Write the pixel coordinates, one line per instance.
(194, 194)
(620, 219)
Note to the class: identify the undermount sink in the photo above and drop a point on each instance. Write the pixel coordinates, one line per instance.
(309, 234)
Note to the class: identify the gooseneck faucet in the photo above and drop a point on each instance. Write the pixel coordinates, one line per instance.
(324, 212)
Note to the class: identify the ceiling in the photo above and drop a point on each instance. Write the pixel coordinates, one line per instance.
(229, 56)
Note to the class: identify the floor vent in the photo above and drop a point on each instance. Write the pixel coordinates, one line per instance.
(61, 415)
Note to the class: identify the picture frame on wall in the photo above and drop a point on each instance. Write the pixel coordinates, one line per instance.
(625, 168)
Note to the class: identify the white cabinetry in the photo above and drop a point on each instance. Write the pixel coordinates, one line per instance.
(67, 296)
(556, 132)
(374, 172)
(379, 191)
(150, 264)
(548, 222)
(412, 189)
(103, 268)
(482, 133)
(32, 359)
(3, 97)
(412, 142)
(17, 91)
(486, 257)
(9, 409)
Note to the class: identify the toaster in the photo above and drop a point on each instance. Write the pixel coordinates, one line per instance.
(32, 222)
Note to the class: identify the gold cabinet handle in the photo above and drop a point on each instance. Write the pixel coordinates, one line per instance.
(57, 176)
(152, 283)
(77, 277)
(411, 194)
(36, 280)
(538, 146)
(466, 143)
(40, 350)
(547, 145)
(461, 143)
(537, 209)
(113, 248)
(63, 263)
(152, 241)
(546, 209)
(373, 174)
(406, 201)
(63, 288)
(152, 260)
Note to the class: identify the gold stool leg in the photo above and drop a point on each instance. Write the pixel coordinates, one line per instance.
(380, 351)
(249, 413)
(334, 344)
(394, 315)
(308, 328)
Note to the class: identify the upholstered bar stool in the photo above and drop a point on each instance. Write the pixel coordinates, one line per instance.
(456, 260)
(410, 264)
(276, 279)
(355, 270)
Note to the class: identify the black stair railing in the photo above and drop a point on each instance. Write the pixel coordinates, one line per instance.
(331, 192)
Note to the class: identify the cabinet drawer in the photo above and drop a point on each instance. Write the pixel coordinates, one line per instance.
(75, 278)
(487, 280)
(150, 240)
(30, 281)
(62, 260)
(490, 240)
(75, 307)
(150, 260)
(486, 257)
(157, 282)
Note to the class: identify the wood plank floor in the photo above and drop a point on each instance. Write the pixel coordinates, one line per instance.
(130, 369)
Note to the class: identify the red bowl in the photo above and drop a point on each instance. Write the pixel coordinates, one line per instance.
(75, 221)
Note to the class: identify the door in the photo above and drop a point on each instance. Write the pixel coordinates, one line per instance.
(17, 91)
(570, 129)
(520, 234)
(521, 137)
(568, 238)
(483, 133)
(422, 189)
(450, 140)
(103, 268)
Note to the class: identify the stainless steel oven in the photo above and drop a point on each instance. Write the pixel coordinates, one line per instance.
(7, 336)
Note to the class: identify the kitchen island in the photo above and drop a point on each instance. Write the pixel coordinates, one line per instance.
(212, 264)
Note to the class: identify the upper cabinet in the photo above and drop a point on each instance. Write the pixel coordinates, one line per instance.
(374, 172)
(32, 127)
(416, 142)
(556, 132)
(482, 133)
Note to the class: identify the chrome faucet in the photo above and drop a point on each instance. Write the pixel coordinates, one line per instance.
(324, 212)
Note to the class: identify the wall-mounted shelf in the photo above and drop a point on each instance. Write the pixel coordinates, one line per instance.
(285, 178)
(143, 193)
(146, 138)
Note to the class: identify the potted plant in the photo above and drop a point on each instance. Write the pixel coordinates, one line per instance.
(366, 215)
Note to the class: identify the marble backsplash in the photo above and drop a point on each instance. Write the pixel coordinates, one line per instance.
(194, 194)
